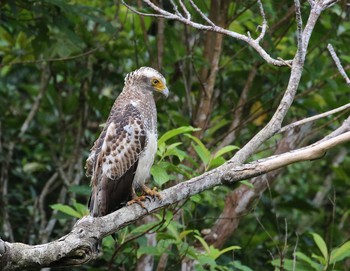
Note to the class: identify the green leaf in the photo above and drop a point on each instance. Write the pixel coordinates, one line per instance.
(321, 245)
(218, 161)
(160, 175)
(224, 150)
(149, 250)
(196, 198)
(204, 243)
(81, 208)
(66, 210)
(289, 265)
(187, 232)
(205, 261)
(144, 228)
(202, 151)
(340, 253)
(308, 260)
(175, 132)
(247, 183)
(163, 245)
(239, 266)
(33, 167)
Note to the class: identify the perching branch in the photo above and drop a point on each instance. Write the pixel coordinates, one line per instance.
(80, 245)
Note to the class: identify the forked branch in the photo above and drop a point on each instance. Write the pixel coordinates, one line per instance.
(210, 26)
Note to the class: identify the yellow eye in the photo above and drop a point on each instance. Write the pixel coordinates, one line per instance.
(155, 82)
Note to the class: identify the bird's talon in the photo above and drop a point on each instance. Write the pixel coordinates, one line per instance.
(139, 200)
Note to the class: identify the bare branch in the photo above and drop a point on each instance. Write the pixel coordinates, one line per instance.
(264, 23)
(170, 16)
(188, 14)
(274, 125)
(299, 25)
(161, 13)
(311, 2)
(313, 118)
(202, 14)
(174, 7)
(338, 64)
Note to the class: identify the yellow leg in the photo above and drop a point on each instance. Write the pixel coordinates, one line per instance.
(147, 192)
(136, 199)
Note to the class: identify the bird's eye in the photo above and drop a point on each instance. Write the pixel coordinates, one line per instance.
(155, 81)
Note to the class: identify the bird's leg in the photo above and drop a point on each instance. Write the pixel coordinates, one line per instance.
(136, 199)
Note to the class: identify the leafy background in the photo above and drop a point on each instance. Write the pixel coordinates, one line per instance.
(63, 64)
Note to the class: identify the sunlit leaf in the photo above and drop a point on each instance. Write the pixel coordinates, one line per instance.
(340, 253)
(175, 132)
(160, 175)
(66, 210)
(321, 245)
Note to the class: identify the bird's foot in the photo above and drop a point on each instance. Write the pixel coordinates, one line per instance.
(152, 192)
(139, 200)
(147, 194)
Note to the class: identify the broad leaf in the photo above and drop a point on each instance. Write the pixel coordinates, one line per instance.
(340, 253)
(160, 175)
(175, 132)
(66, 210)
(321, 245)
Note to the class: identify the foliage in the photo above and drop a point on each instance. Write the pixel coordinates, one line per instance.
(323, 262)
(62, 65)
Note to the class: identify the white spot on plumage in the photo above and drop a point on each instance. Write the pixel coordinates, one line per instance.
(134, 103)
(129, 129)
(110, 132)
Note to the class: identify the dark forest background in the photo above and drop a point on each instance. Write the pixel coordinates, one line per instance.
(63, 64)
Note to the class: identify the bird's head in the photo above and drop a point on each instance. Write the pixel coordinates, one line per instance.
(149, 79)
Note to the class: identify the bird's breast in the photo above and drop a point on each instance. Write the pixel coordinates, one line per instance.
(146, 159)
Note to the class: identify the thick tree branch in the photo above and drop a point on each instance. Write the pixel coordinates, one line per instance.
(79, 246)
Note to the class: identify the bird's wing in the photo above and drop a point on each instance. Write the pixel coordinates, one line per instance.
(115, 160)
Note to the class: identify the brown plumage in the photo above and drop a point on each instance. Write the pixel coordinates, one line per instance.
(122, 156)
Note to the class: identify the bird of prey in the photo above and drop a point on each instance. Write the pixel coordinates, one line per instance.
(121, 158)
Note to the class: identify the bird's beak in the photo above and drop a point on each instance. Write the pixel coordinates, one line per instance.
(165, 92)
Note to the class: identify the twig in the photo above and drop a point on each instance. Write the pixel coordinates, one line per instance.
(170, 16)
(202, 14)
(254, 43)
(174, 7)
(264, 24)
(299, 26)
(338, 64)
(274, 125)
(188, 14)
(313, 118)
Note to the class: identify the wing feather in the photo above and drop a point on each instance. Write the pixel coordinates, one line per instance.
(113, 160)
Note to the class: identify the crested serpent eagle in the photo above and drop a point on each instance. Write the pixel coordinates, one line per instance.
(122, 156)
